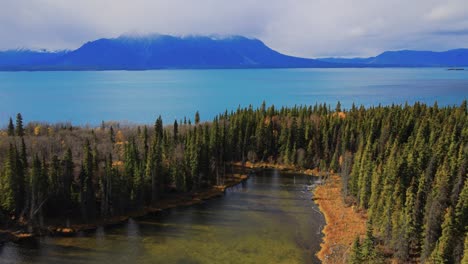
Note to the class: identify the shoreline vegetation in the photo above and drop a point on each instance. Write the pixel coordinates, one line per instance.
(404, 166)
(343, 222)
(181, 200)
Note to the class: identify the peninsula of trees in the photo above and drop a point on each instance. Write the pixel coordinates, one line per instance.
(405, 165)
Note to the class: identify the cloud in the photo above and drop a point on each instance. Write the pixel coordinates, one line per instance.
(446, 11)
(309, 28)
(454, 32)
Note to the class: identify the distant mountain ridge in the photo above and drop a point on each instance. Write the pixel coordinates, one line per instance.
(159, 52)
(410, 58)
(28, 58)
(204, 52)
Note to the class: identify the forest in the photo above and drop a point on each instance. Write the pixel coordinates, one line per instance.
(405, 165)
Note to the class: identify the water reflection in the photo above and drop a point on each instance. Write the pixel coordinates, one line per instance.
(268, 219)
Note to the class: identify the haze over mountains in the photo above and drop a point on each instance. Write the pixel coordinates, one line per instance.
(410, 58)
(204, 52)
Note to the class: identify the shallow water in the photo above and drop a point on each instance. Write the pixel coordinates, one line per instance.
(268, 219)
(140, 96)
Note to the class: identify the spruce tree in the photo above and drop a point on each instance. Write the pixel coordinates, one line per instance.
(465, 251)
(88, 202)
(197, 118)
(19, 125)
(356, 255)
(112, 135)
(368, 251)
(443, 251)
(67, 167)
(176, 131)
(11, 128)
(8, 182)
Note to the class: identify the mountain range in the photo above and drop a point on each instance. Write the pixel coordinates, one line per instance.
(410, 58)
(204, 52)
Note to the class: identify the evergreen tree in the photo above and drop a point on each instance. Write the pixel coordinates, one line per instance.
(35, 179)
(176, 130)
(11, 128)
(67, 166)
(356, 255)
(465, 251)
(112, 135)
(88, 202)
(368, 250)
(19, 125)
(435, 210)
(9, 182)
(443, 251)
(197, 118)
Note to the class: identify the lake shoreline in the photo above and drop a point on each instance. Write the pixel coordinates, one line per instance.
(339, 218)
(280, 167)
(343, 223)
(20, 234)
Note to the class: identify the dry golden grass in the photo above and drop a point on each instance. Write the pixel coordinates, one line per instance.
(344, 223)
(282, 167)
(15, 236)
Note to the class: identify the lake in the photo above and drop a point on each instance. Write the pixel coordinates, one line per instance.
(270, 218)
(88, 97)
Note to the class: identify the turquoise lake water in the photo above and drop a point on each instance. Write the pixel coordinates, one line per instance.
(88, 97)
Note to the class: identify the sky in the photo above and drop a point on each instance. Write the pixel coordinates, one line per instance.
(306, 28)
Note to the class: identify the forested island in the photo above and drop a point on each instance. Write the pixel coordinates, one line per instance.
(404, 166)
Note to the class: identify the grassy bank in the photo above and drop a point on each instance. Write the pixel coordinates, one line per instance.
(281, 167)
(343, 223)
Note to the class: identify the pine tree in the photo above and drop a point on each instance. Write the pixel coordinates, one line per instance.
(465, 251)
(11, 128)
(368, 250)
(356, 255)
(35, 179)
(88, 202)
(197, 118)
(434, 210)
(67, 167)
(443, 251)
(460, 225)
(159, 129)
(8, 182)
(112, 135)
(176, 131)
(19, 125)
(19, 182)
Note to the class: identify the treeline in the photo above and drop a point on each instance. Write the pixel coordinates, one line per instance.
(405, 165)
(409, 172)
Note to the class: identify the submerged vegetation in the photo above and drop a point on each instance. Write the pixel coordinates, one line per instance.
(404, 165)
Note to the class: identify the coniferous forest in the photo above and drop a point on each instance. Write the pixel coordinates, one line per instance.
(404, 165)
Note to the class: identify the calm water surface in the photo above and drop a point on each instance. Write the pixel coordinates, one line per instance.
(140, 96)
(268, 219)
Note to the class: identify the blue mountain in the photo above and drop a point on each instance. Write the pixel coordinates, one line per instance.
(199, 52)
(23, 58)
(159, 52)
(410, 58)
